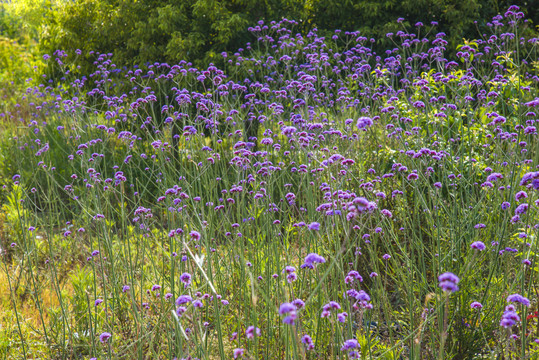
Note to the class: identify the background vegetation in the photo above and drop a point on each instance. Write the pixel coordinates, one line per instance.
(141, 31)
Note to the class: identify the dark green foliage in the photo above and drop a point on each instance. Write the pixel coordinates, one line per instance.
(198, 30)
(157, 30)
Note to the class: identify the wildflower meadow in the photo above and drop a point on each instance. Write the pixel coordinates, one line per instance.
(309, 198)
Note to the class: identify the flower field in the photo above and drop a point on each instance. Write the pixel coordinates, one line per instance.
(310, 199)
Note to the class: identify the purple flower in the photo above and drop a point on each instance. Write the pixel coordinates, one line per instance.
(520, 195)
(289, 131)
(327, 308)
(494, 177)
(104, 337)
(298, 303)
(533, 103)
(289, 269)
(476, 305)
(186, 279)
(314, 226)
(518, 299)
(289, 310)
(509, 317)
(286, 308)
(478, 245)
(521, 209)
(238, 353)
(181, 310)
(352, 275)
(312, 259)
(289, 320)
(531, 176)
(364, 122)
(386, 213)
(448, 282)
(333, 305)
(341, 317)
(350, 344)
(97, 302)
(308, 341)
(291, 277)
(183, 299)
(251, 332)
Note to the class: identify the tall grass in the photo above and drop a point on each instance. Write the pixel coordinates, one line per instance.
(300, 203)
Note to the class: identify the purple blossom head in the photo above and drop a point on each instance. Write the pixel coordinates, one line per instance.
(186, 279)
(341, 317)
(521, 209)
(104, 337)
(291, 277)
(238, 353)
(183, 299)
(312, 259)
(351, 345)
(251, 332)
(288, 310)
(364, 122)
(517, 298)
(476, 305)
(308, 341)
(289, 269)
(298, 303)
(352, 275)
(478, 245)
(494, 177)
(520, 195)
(314, 226)
(448, 282)
(509, 317)
(329, 307)
(289, 130)
(532, 177)
(386, 213)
